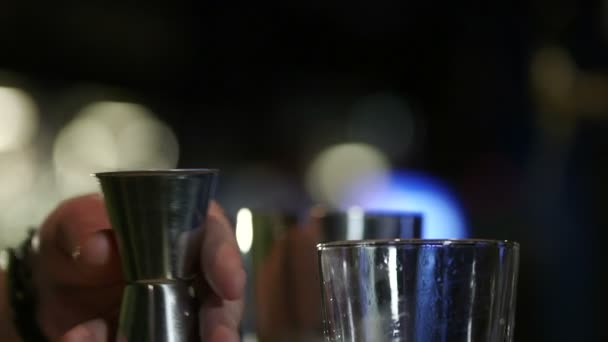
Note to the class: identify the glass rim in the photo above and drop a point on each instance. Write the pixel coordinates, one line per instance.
(416, 243)
(155, 172)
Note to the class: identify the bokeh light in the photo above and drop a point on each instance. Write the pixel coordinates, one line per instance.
(342, 167)
(384, 120)
(27, 194)
(18, 118)
(16, 174)
(553, 71)
(416, 192)
(147, 144)
(109, 136)
(356, 220)
(244, 229)
(553, 76)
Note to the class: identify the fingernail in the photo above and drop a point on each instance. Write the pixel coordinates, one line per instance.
(76, 253)
(68, 244)
(96, 248)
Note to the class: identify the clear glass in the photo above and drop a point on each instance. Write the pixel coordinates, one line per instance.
(419, 290)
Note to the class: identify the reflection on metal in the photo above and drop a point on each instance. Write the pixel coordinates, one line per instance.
(283, 302)
(159, 312)
(157, 216)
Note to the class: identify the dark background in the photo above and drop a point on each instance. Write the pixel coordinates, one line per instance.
(222, 73)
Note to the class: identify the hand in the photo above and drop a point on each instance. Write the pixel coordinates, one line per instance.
(290, 313)
(79, 281)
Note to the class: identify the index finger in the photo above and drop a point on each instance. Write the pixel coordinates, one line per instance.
(220, 258)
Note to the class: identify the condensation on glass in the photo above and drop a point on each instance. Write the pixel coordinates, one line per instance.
(419, 290)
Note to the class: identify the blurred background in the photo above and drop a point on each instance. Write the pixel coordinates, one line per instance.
(487, 117)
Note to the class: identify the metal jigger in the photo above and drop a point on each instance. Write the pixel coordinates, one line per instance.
(157, 216)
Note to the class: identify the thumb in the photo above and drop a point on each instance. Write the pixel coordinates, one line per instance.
(77, 234)
(74, 220)
(91, 331)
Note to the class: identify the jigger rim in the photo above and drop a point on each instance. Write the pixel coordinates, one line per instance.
(418, 243)
(156, 172)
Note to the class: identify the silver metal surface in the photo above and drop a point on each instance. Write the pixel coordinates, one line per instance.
(419, 290)
(158, 218)
(159, 312)
(284, 295)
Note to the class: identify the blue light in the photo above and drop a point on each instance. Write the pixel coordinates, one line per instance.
(416, 192)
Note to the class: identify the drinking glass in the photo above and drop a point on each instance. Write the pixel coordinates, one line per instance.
(418, 290)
